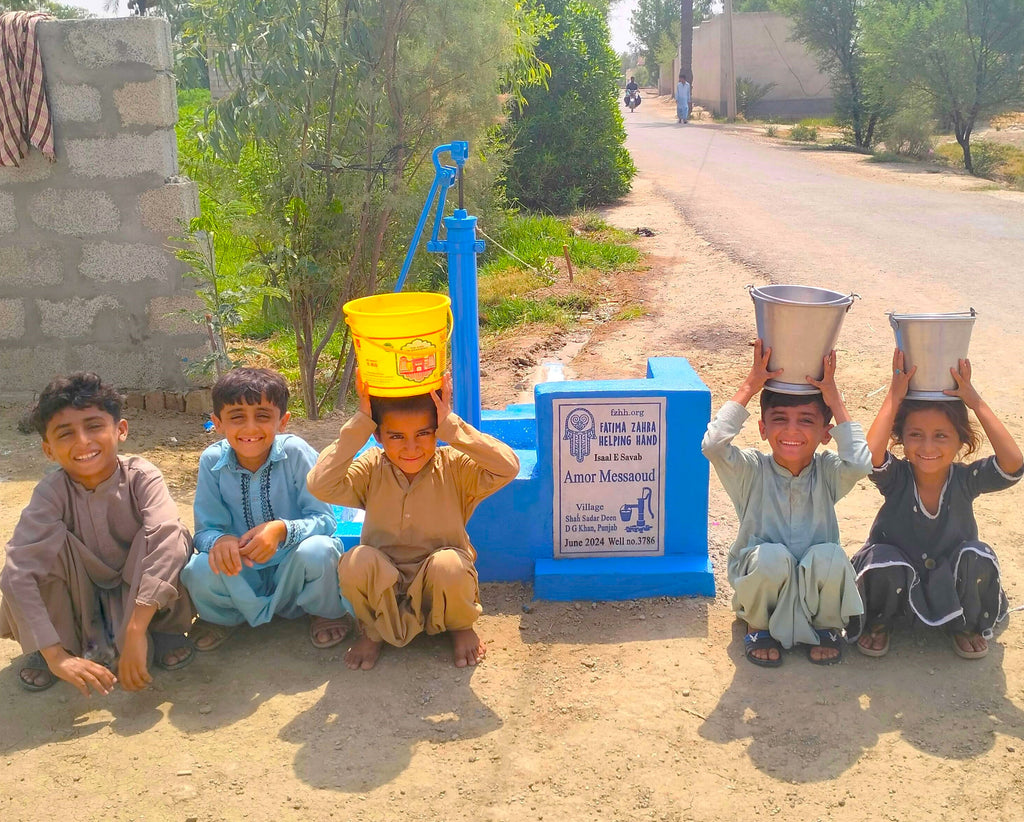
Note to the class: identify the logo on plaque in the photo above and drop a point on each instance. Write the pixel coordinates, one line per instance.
(579, 431)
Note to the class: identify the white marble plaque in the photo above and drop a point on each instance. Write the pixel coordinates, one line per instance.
(609, 477)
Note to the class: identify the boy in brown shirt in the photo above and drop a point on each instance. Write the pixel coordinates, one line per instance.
(414, 569)
(92, 567)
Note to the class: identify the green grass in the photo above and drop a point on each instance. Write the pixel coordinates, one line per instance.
(630, 312)
(803, 133)
(994, 161)
(818, 122)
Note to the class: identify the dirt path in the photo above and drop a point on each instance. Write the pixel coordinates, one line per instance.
(626, 711)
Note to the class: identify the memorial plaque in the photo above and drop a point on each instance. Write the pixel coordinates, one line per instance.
(609, 477)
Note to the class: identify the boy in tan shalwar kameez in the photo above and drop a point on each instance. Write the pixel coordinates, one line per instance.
(414, 570)
(92, 567)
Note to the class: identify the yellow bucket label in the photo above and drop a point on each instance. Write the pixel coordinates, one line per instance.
(416, 361)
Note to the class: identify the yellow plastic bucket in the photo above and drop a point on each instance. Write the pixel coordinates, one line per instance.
(401, 341)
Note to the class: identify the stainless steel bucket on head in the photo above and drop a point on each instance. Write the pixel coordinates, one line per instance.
(801, 325)
(934, 343)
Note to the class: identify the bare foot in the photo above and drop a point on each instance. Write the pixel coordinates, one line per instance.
(820, 653)
(363, 654)
(767, 654)
(971, 643)
(467, 648)
(875, 642)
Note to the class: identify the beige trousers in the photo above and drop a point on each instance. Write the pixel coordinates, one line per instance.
(791, 597)
(405, 591)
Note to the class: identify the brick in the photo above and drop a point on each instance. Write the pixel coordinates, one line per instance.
(199, 401)
(30, 265)
(167, 208)
(174, 401)
(29, 369)
(124, 262)
(114, 41)
(125, 155)
(33, 168)
(166, 314)
(154, 401)
(74, 103)
(153, 103)
(73, 318)
(135, 399)
(12, 319)
(76, 211)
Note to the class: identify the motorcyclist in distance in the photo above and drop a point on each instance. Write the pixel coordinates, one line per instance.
(632, 86)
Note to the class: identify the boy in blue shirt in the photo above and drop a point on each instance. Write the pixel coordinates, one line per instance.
(265, 544)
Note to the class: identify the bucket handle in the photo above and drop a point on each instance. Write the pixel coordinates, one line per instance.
(451, 324)
(853, 296)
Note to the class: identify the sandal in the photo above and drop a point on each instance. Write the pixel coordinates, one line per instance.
(317, 624)
(35, 662)
(218, 634)
(876, 631)
(829, 638)
(760, 641)
(960, 652)
(164, 644)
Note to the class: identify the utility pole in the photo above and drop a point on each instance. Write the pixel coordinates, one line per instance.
(729, 64)
(686, 40)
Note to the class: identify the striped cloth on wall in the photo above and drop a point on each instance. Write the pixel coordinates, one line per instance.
(24, 114)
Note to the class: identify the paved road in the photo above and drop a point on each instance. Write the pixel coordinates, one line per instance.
(796, 215)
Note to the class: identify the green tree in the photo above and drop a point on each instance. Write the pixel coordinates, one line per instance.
(834, 31)
(654, 26)
(337, 107)
(967, 56)
(567, 141)
(742, 6)
(58, 10)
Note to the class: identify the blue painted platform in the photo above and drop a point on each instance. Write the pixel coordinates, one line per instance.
(512, 530)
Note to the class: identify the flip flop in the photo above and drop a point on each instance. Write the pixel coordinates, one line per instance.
(760, 641)
(960, 652)
(35, 662)
(219, 633)
(164, 643)
(318, 624)
(829, 638)
(878, 630)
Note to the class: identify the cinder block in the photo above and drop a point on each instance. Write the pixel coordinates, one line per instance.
(165, 209)
(12, 319)
(34, 167)
(126, 367)
(30, 265)
(154, 401)
(125, 155)
(152, 103)
(166, 314)
(199, 401)
(8, 217)
(29, 369)
(72, 103)
(113, 41)
(76, 212)
(124, 262)
(73, 318)
(135, 399)
(174, 401)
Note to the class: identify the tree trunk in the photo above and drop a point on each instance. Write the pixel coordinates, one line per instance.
(686, 41)
(963, 137)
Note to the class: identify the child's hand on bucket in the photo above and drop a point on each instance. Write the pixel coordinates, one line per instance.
(363, 393)
(900, 377)
(758, 376)
(443, 401)
(827, 384)
(965, 390)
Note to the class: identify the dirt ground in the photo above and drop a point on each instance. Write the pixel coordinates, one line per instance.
(606, 711)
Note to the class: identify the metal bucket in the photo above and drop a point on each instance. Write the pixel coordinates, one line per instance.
(934, 343)
(801, 325)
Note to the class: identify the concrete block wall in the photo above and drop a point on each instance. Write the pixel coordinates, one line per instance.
(764, 52)
(87, 276)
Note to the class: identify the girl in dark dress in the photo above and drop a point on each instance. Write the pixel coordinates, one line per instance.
(923, 558)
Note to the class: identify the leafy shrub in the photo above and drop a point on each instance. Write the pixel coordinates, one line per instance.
(804, 134)
(908, 133)
(749, 93)
(567, 141)
(771, 131)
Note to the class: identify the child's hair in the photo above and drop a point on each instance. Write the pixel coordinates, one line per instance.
(416, 404)
(249, 386)
(956, 413)
(83, 389)
(775, 399)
